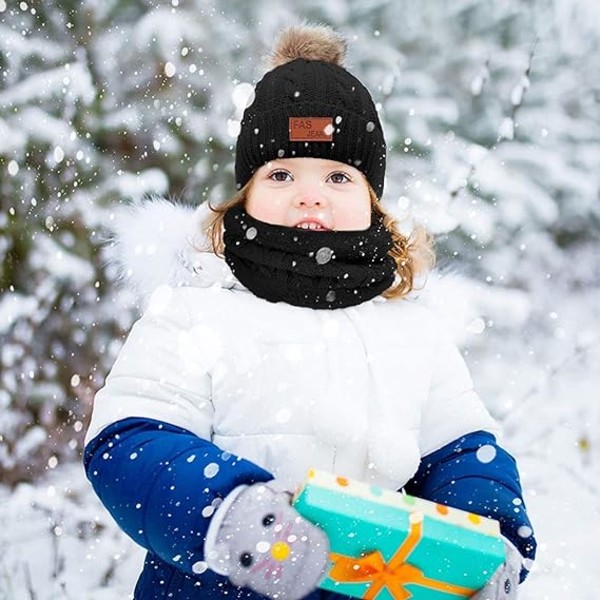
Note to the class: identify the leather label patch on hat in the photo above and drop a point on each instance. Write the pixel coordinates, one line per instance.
(311, 129)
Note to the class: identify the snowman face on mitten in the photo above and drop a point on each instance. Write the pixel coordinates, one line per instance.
(270, 547)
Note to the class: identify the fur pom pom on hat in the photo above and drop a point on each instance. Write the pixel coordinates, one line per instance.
(309, 105)
(310, 42)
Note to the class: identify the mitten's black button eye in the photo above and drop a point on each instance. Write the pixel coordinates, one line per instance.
(507, 586)
(268, 519)
(246, 559)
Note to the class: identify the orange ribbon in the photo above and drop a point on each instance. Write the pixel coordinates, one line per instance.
(393, 575)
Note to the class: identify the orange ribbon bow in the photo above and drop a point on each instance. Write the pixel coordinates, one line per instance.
(393, 575)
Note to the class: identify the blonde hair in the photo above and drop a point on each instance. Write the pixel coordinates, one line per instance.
(413, 255)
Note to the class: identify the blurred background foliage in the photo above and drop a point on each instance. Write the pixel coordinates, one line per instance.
(491, 112)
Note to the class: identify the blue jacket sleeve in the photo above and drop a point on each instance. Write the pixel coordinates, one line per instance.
(162, 483)
(474, 473)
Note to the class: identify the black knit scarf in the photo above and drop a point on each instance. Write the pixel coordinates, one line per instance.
(314, 269)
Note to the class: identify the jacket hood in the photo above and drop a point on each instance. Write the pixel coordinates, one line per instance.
(158, 242)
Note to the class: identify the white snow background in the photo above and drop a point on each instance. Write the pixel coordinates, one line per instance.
(533, 347)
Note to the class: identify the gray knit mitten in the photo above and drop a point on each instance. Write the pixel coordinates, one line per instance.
(261, 542)
(503, 585)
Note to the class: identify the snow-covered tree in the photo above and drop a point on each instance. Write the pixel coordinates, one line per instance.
(490, 111)
(492, 116)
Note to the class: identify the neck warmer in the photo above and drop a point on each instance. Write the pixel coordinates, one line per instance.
(314, 269)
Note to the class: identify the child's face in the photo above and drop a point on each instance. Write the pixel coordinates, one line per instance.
(311, 193)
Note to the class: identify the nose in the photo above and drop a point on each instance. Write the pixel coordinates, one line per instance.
(310, 197)
(280, 551)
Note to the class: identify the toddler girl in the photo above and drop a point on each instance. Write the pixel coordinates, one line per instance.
(286, 341)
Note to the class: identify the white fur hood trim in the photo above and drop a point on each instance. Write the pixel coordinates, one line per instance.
(158, 242)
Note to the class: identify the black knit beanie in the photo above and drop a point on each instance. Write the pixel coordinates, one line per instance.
(310, 106)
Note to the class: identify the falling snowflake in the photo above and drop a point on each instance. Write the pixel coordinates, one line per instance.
(211, 470)
(486, 454)
(199, 567)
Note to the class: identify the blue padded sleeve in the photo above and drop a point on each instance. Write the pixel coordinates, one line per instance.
(474, 473)
(162, 483)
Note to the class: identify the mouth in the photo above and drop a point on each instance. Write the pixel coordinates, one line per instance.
(312, 225)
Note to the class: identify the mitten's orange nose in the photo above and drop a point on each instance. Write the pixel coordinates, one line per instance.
(280, 551)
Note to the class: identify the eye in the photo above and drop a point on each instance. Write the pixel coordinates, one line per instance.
(246, 559)
(268, 520)
(280, 175)
(339, 177)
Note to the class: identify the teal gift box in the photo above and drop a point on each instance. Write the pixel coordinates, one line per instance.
(389, 545)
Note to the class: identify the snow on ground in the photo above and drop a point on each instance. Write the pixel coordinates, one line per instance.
(58, 543)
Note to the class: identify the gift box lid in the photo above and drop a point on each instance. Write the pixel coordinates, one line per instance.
(317, 479)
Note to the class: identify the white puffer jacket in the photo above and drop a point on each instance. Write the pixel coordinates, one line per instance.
(363, 391)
